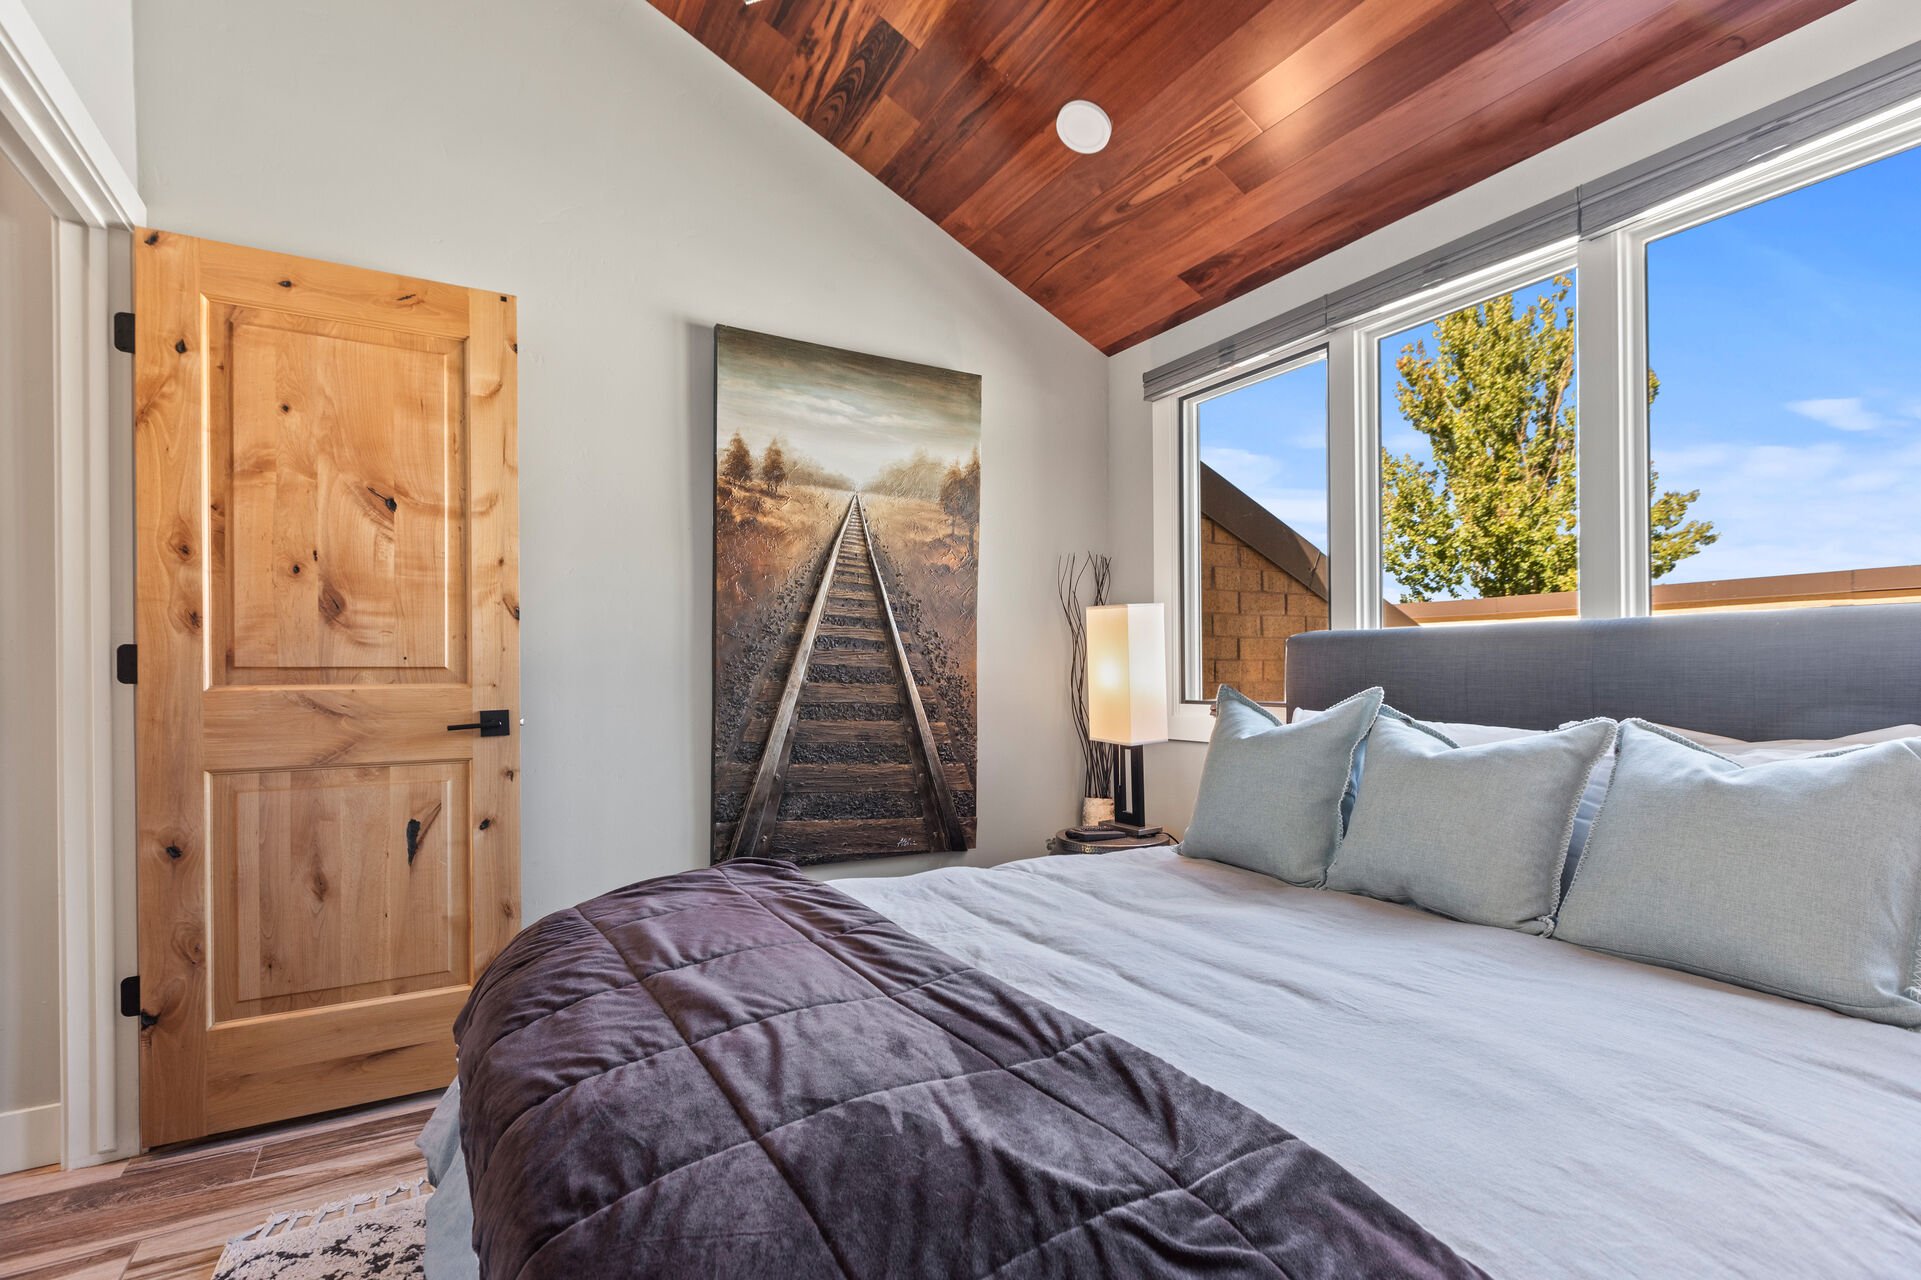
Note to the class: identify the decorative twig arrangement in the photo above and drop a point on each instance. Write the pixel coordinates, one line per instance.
(1100, 761)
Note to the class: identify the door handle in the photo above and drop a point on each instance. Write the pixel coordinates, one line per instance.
(492, 724)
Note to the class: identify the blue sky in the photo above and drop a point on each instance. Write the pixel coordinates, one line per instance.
(1788, 342)
(1787, 338)
(1269, 440)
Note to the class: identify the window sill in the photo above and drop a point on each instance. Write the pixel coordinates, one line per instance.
(1190, 722)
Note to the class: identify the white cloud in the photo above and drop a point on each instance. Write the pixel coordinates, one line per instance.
(1868, 482)
(1849, 413)
(1836, 504)
(1689, 457)
(1242, 468)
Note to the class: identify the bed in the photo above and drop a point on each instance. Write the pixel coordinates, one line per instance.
(1541, 1108)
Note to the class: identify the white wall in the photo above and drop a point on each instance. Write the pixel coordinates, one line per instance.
(632, 190)
(93, 41)
(29, 906)
(1831, 46)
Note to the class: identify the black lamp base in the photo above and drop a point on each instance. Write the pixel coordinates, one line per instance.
(1130, 803)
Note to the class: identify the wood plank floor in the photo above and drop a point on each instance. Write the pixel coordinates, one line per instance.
(168, 1213)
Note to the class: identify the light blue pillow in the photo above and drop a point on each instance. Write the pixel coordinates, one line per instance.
(1271, 794)
(1799, 877)
(1584, 816)
(1477, 833)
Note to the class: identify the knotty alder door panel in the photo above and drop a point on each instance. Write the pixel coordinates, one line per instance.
(336, 463)
(343, 885)
(327, 581)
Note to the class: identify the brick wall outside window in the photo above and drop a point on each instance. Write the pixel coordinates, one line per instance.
(1249, 607)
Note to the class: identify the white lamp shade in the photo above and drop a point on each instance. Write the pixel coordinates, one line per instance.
(1127, 674)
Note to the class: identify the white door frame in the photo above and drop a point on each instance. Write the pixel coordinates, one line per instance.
(47, 134)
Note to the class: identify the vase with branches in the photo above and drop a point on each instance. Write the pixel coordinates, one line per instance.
(1082, 582)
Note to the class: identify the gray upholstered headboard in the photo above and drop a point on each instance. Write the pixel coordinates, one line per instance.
(1790, 673)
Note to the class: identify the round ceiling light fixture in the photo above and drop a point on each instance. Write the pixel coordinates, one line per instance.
(1083, 126)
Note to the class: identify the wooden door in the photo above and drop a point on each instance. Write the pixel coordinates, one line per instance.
(327, 580)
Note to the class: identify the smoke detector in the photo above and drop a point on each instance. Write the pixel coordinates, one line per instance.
(1083, 126)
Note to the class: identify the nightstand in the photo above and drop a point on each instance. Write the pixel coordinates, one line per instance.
(1060, 843)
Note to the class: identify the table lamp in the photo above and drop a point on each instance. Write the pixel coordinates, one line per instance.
(1127, 691)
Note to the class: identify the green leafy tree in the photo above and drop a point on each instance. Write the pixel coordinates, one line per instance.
(736, 463)
(1673, 537)
(773, 467)
(1493, 514)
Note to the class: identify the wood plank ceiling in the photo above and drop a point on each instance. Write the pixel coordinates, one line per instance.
(1250, 136)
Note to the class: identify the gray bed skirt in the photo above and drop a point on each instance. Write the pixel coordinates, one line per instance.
(450, 1210)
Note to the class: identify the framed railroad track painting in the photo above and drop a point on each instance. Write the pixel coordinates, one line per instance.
(846, 560)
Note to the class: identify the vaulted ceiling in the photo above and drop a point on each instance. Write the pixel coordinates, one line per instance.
(1250, 136)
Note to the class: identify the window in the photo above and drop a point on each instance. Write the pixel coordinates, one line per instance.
(1477, 412)
(1256, 527)
(1785, 430)
(1748, 378)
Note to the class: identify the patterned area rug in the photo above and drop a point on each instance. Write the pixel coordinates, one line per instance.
(378, 1234)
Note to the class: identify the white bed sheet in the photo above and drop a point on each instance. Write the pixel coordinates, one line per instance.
(1548, 1111)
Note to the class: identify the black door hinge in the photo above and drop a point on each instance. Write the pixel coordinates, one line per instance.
(123, 331)
(126, 664)
(130, 1002)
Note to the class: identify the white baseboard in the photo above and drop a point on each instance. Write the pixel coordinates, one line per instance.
(29, 1137)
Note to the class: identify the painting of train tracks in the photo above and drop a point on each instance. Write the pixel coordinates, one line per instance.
(846, 553)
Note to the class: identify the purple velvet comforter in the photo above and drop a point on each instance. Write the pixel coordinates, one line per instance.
(742, 1072)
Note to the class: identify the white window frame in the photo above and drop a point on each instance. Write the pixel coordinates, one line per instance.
(1617, 333)
(1366, 335)
(1188, 632)
(1612, 442)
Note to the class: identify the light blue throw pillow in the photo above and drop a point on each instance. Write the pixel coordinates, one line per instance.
(1271, 794)
(1799, 877)
(1589, 810)
(1477, 833)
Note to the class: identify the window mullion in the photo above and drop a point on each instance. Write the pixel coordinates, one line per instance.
(1637, 570)
(1610, 354)
(1353, 483)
